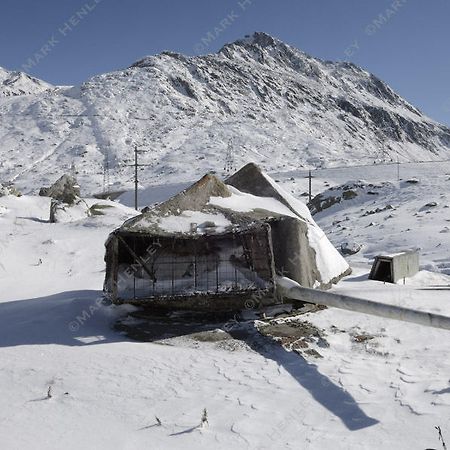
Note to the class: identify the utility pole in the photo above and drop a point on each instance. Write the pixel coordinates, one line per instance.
(106, 174)
(310, 186)
(310, 177)
(136, 180)
(136, 177)
(229, 159)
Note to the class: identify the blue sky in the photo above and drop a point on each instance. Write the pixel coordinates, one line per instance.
(407, 46)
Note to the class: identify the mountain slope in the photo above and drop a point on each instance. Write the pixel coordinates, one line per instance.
(257, 99)
(19, 83)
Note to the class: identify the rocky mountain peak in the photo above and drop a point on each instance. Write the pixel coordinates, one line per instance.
(19, 83)
(259, 98)
(260, 39)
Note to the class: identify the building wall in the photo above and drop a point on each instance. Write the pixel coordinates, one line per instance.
(293, 255)
(405, 265)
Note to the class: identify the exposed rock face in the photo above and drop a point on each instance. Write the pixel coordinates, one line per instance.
(65, 190)
(350, 248)
(66, 204)
(347, 192)
(266, 100)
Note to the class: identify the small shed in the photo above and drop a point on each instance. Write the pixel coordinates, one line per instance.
(392, 268)
(217, 245)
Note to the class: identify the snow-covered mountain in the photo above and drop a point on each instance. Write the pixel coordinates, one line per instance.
(257, 99)
(19, 83)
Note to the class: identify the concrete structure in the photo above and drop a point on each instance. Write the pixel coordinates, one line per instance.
(216, 245)
(395, 267)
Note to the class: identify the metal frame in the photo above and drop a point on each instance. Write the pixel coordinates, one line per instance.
(208, 297)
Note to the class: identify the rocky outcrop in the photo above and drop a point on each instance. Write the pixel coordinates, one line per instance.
(347, 192)
(61, 212)
(65, 190)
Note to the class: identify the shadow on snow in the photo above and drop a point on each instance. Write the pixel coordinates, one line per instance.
(77, 318)
(66, 318)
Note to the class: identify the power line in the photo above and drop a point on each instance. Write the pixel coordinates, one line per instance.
(380, 164)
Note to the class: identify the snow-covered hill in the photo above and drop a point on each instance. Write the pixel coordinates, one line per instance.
(19, 83)
(257, 99)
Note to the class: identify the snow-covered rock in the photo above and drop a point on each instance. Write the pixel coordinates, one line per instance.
(350, 248)
(65, 190)
(9, 189)
(61, 212)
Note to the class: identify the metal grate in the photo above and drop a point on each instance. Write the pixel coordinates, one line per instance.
(210, 265)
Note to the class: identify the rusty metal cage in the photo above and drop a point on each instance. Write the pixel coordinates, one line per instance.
(149, 268)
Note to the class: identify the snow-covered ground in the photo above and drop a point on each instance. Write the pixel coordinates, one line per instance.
(380, 383)
(410, 223)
